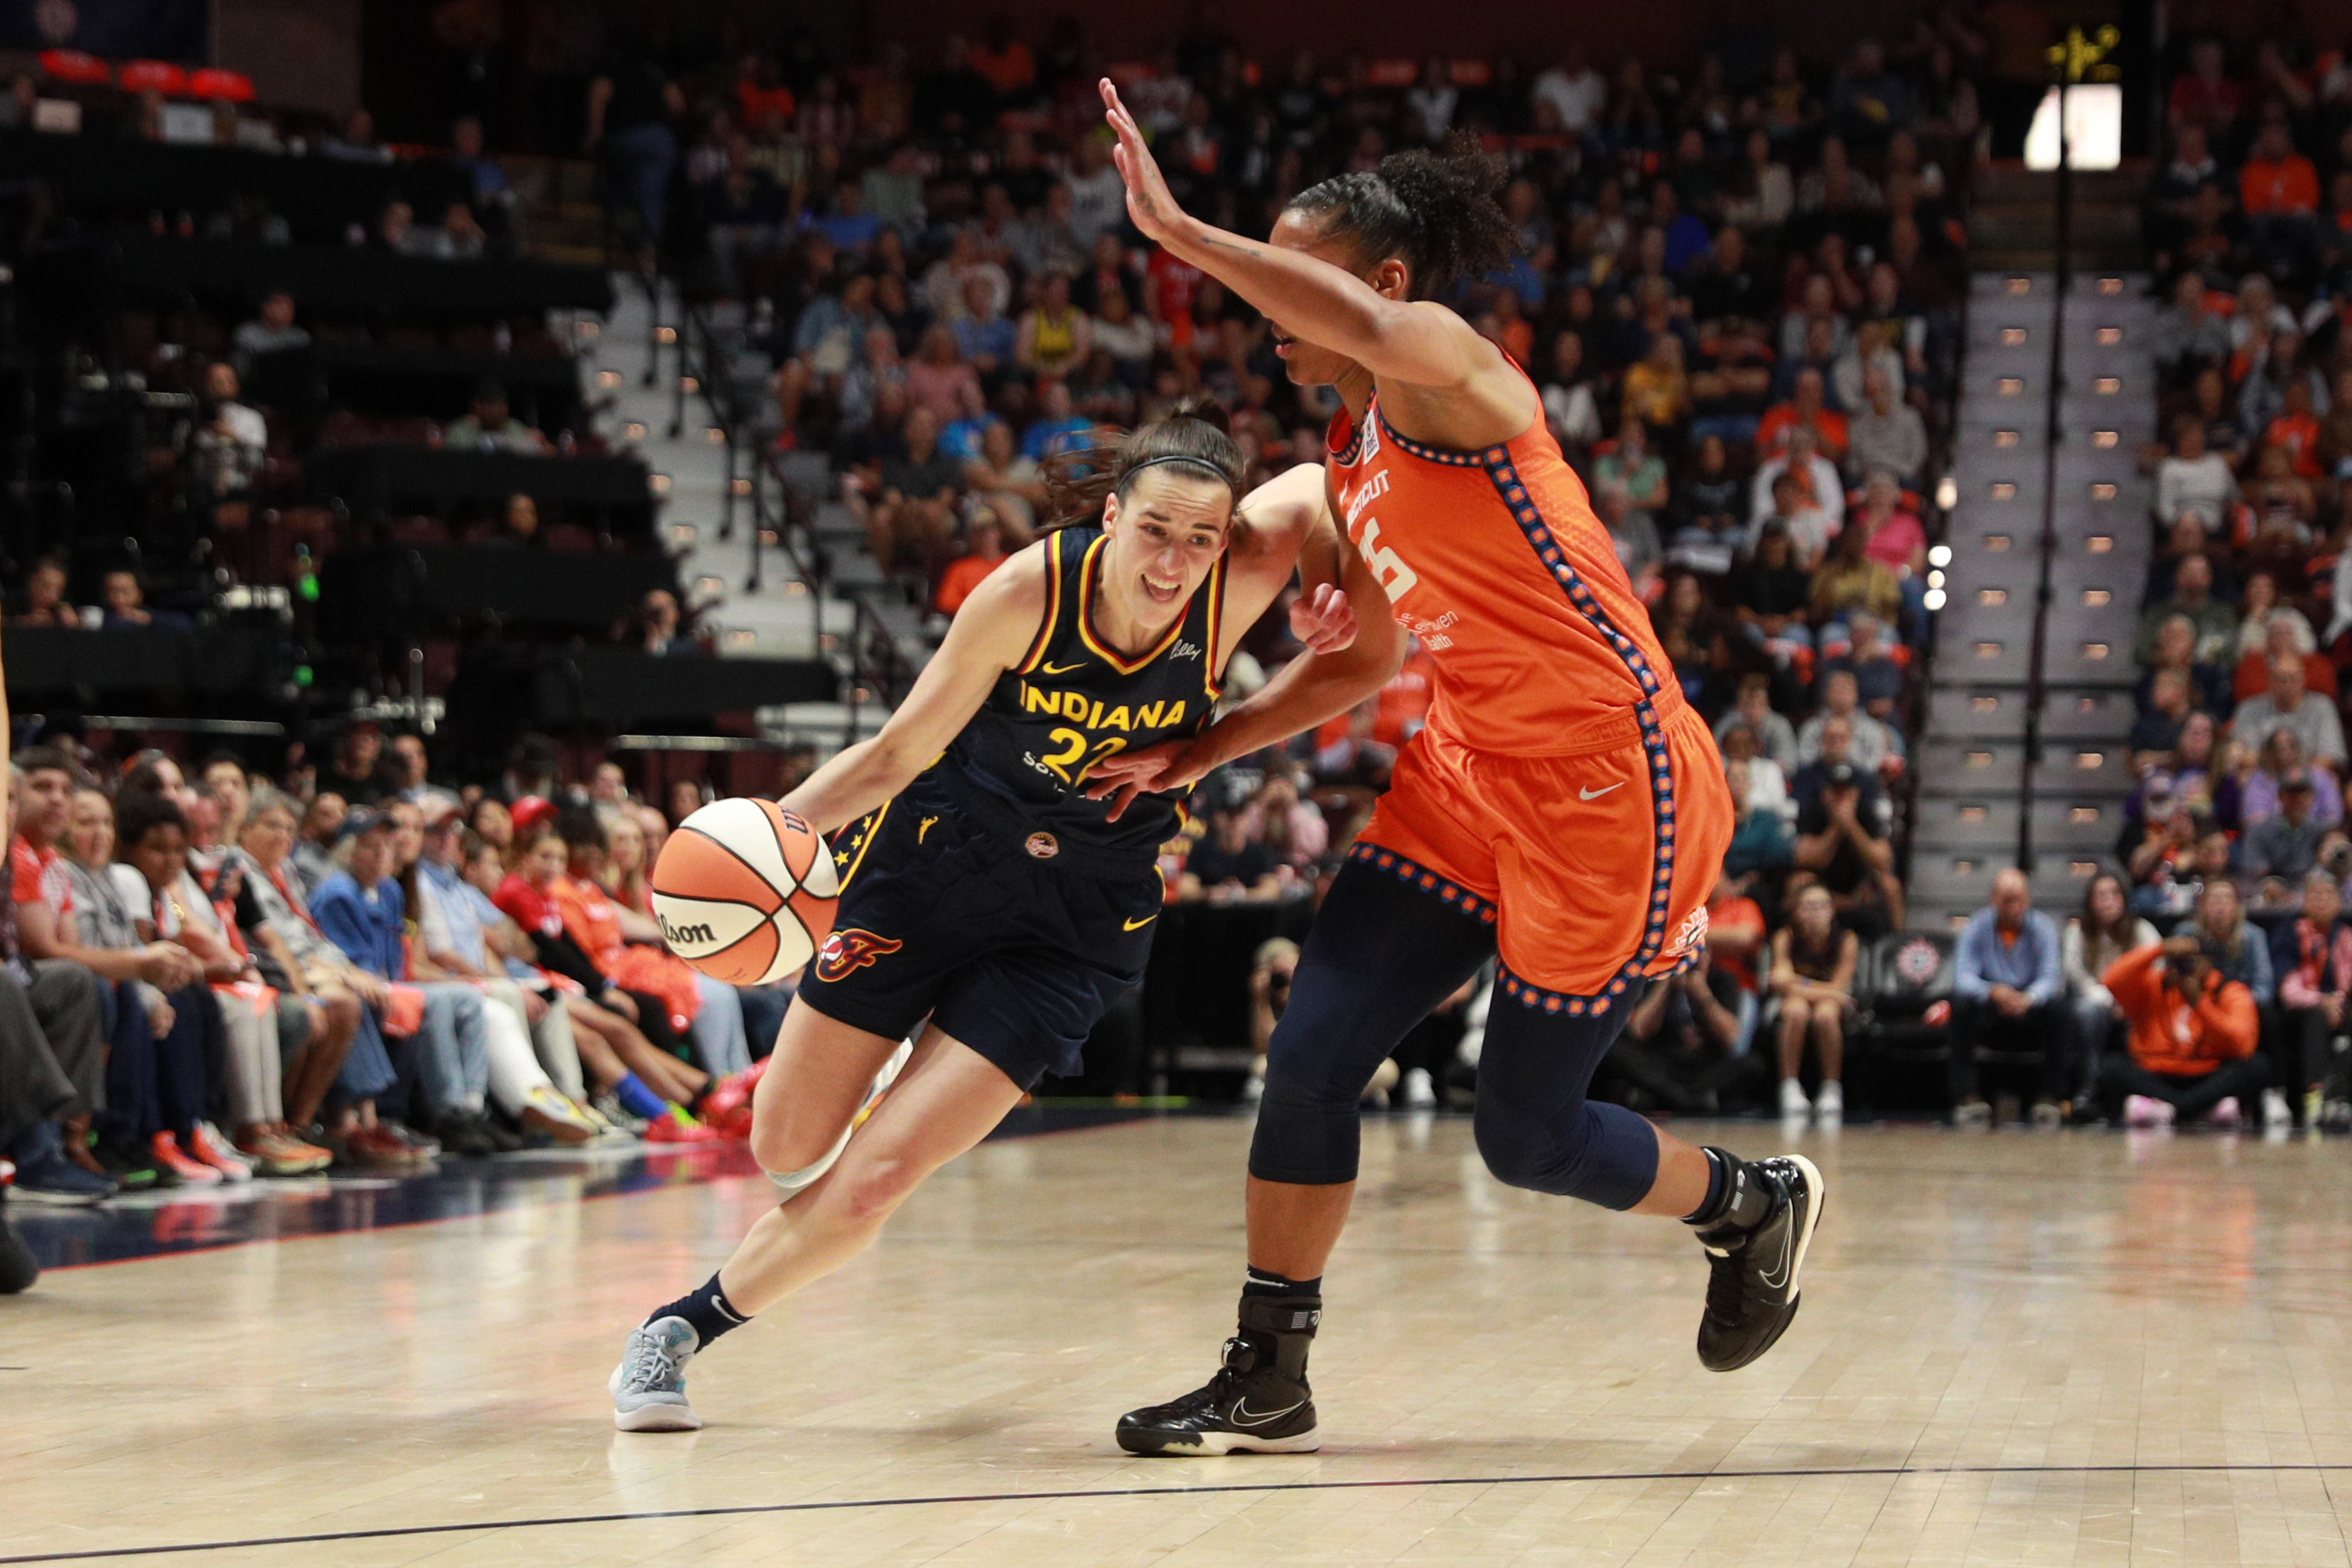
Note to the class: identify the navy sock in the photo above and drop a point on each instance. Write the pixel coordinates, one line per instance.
(1265, 1282)
(706, 1309)
(637, 1100)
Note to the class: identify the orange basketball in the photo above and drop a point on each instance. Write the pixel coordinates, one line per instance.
(744, 891)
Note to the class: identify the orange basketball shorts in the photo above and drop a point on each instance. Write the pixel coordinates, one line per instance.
(1596, 863)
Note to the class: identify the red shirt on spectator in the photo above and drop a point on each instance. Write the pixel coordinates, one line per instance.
(38, 876)
(1893, 542)
(1170, 285)
(1736, 913)
(2211, 104)
(2252, 676)
(2289, 184)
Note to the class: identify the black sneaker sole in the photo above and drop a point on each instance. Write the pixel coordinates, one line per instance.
(1150, 1444)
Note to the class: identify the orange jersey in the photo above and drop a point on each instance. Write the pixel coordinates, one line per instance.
(1563, 789)
(1496, 562)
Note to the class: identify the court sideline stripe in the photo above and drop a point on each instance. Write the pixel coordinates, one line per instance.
(1077, 1495)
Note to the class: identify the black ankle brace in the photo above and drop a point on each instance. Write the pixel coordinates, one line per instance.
(1734, 1197)
(1275, 1331)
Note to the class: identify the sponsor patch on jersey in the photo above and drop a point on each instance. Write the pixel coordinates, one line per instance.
(849, 950)
(1044, 846)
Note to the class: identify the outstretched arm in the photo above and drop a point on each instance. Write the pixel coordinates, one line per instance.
(1418, 342)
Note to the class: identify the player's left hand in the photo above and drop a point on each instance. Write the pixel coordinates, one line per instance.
(1149, 200)
(1323, 619)
(1122, 776)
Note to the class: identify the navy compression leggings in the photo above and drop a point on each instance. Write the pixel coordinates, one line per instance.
(1381, 956)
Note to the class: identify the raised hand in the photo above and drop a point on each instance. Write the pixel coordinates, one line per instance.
(1149, 202)
(1323, 619)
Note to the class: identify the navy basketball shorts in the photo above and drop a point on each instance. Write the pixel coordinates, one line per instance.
(1013, 943)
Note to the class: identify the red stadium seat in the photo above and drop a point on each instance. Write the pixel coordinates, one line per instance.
(76, 68)
(150, 75)
(213, 82)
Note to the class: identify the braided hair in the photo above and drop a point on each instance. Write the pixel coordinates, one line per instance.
(1437, 212)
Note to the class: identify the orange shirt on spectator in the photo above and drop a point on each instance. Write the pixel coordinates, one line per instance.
(1008, 70)
(2169, 1035)
(2289, 184)
(756, 103)
(1783, 417)
(2299, 434)
(963, 574)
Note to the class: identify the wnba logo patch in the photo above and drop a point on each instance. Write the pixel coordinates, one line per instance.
(849, 950)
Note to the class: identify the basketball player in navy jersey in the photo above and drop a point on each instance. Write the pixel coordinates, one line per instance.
(981, 888)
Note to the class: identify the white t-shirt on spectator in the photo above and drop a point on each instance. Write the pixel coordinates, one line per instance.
(1576, 98)
(1873, 743)
(2204, 485)
(1097, 202)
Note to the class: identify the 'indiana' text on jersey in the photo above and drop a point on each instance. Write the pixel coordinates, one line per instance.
(1495, 559)
(1074, 700)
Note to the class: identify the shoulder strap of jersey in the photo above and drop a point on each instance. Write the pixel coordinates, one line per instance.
(1211, 604)
(1049, 625)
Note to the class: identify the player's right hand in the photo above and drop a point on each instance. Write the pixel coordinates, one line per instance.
(1123, 776)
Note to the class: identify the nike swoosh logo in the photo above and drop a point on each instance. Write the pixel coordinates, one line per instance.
(1596, 794)
(1140, 925)
(1780, 1270)
(1060, 669)
(1242, 1416)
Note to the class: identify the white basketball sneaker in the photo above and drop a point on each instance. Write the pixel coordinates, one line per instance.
(649, 1387)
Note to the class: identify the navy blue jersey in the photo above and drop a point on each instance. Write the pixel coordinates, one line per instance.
(1074, 701)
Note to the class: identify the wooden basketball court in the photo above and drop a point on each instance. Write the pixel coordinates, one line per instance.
(2071, 1348)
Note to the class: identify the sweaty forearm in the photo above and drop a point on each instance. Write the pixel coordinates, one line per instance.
(1306, 690)
(1316, 300)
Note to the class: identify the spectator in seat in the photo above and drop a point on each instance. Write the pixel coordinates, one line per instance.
(312, 856)
(1873, 742)
(489, 426)
(1006, 485)
(518, 525)
(2104, 932)
(1761, 844)
(1293, 831)
(1852, 581)
(2176, 651)
(2188, 337)
(1843, 848)
(2311, 956)
(2285, 845)
(2216, 623)
(1053, 336)
(271, 331)
(970, 570)
(41, 887)
(2241, 950)
(353, 770)
(1888, 434)
(2278, 190)
(1705, 514)
(915, 509)
(2193, 1034)
(1877, 677)
(984, 335)
(1228, 865)
(1775, 735)
(1807, 409)
(2258, 643)
(660, 627)
(1057, 427)
(1810, 504)
(2288, 705)
(2009, 990)
(938, 380)
(2194, 481)
(233, 442)
(1812, 979)
(126, 606)
(45, 597)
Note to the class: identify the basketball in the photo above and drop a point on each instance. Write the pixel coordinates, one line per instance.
(744, 891)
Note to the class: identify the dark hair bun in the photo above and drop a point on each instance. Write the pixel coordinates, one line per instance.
(1438, 213)
(1205, 409)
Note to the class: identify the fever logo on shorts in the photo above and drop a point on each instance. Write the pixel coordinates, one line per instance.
(1044, 846)
(849, 950)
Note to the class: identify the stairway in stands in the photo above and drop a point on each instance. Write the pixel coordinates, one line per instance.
(2022, 760)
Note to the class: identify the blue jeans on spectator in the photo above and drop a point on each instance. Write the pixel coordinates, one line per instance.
(367, 1071)
(2092, 1022)
(718, 1028)
(160, 1084)
(453, 1057)
(642, 158)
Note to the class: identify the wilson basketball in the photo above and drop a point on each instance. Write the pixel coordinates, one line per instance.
(744, 891)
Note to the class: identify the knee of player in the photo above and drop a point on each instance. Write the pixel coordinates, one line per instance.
(873, 1185)
(1507, 1146)
(782, 1147)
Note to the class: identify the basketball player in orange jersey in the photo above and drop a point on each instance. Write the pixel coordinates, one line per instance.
(981, 889)
(1563, 805)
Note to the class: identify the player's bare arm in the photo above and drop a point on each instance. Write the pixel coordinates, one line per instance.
(1448, 384)
(989, 634)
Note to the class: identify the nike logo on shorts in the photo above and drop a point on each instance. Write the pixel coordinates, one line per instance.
(1140, 925)
(1596, 794)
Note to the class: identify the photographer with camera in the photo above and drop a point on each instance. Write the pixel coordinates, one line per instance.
(2193, 1031)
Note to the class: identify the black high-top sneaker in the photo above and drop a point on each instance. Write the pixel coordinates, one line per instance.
(1257, 1402)
(1751, 1294)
